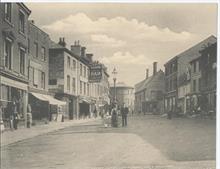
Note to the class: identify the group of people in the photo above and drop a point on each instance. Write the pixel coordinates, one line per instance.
(13, 115)
(119, 111)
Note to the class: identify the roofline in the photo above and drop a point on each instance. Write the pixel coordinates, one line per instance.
(24, 7)
(66, 50)
(179, 55)
(29, 21)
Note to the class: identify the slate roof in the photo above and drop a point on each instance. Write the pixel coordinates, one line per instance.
(144, 83)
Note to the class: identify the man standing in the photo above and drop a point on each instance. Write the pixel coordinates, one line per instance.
(124, 113)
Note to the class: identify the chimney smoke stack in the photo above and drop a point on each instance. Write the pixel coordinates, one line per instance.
(154, 68)
(147, 73)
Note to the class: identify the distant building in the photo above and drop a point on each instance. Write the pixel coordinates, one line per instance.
(149, 92)
(13, 57)
(179, 76)
(124, 94)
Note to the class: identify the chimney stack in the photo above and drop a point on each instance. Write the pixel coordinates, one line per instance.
(76, 48)
(147, 73)
(154, 68)
(89, 57)
(62, 42)
(83, 51)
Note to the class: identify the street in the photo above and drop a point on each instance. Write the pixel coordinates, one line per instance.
(147, 142)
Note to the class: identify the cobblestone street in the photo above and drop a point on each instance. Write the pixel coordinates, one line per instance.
(147, 142)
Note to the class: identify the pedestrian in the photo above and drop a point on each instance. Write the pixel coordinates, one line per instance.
(29, 116)
(124, 113)
(95, 112)
(114, 118)
(15, 115)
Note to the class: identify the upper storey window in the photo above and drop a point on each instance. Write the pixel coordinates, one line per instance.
(8, 7)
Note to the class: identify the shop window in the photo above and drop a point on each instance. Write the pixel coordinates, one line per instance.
(22, 61)
(8, 53)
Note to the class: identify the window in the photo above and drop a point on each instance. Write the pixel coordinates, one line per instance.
(88, 89)
(88, 72)
(80, 69)
(42, 80)
(35, 77)
(8, 54)
(35, 49)
(194, 67)
(68, 82)
(80, 87)
(84, 71)
(199, 84)
(74, 85)
(68, 62)
(194, 85)
(74, 64)
(84, 88)
(43, 54)
(21, 21)
(22, 61)
(8, 11)
(28, 45)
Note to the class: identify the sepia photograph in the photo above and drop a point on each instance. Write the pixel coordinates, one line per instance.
(108, 85)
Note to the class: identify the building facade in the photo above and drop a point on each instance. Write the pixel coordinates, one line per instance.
(182, 77)
(13, 57)
(38, 65)
(171, 91)
(149, 93)
(63, 65)
(124, 95)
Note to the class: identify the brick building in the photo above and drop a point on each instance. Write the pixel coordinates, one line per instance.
(149, 92)
(13, 57)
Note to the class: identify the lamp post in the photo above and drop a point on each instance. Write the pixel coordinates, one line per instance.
(114, 73)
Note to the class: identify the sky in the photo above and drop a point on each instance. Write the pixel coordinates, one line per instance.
(129, 37)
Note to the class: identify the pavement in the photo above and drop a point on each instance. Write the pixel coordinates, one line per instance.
(12, 136)
(88, 145)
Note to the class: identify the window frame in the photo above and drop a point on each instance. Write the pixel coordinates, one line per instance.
(22, 25)
(22, 71)
(8, 19)
(10, 60)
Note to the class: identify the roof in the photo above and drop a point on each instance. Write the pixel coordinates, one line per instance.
(144, 83)
(122, 85)
(196, 48)
(56, 46)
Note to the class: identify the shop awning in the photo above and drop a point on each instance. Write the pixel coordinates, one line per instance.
(48, 98)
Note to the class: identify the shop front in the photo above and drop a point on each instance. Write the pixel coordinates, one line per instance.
(84, 108)
(13, 92)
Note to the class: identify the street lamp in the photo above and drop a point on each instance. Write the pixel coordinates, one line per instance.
(114, 73)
